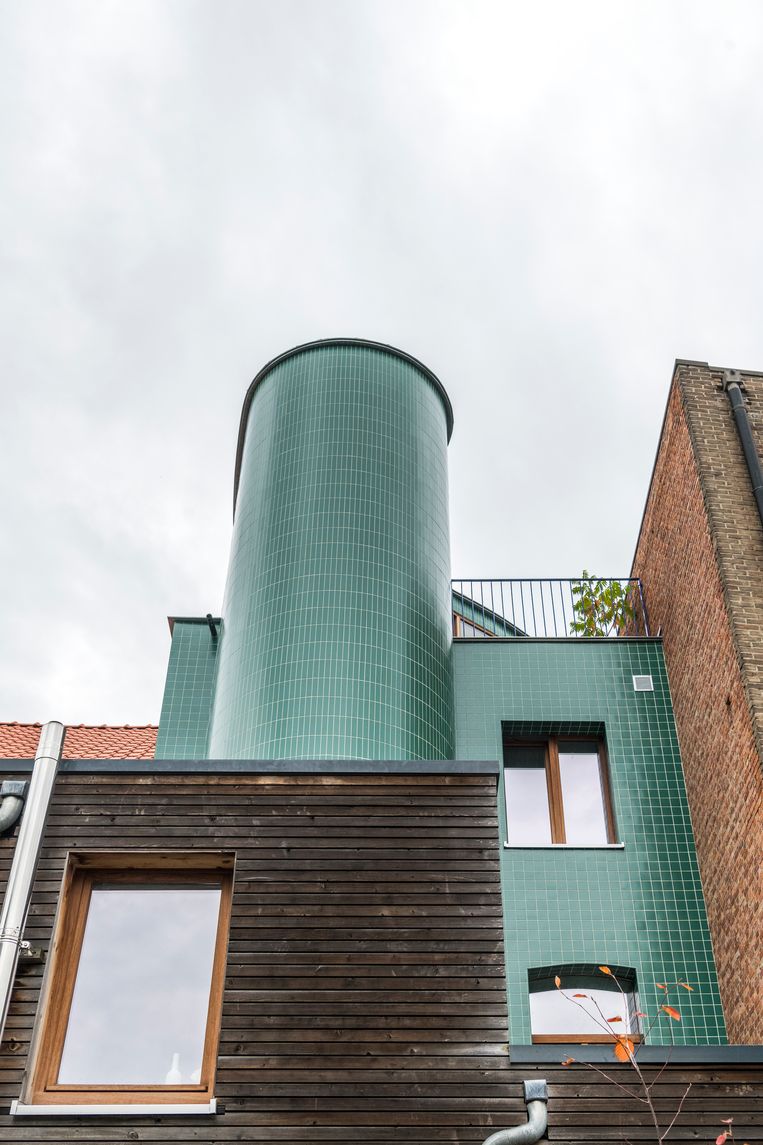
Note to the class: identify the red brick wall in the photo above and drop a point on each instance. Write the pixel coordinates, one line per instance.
(677, 559)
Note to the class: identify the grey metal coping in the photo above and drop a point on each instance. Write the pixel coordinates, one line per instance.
(264, 766)
(173, 620)
(492, 641)
(656, 1055)
(714, 369)
(330, 342)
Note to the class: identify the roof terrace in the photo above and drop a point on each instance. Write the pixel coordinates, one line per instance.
(582, 607)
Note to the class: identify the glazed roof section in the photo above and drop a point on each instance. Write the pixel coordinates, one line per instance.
(83, 741)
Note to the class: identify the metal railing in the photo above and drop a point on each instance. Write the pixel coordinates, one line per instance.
(594, 607)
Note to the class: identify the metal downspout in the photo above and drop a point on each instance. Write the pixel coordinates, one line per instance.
(19, 889)
(731, 384)
(536, 1099)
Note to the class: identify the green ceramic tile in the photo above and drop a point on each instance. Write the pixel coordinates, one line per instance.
(188, 691)
(640, 907)
(336, 621)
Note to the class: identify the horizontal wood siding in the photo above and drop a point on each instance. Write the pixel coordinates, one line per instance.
(365, 993)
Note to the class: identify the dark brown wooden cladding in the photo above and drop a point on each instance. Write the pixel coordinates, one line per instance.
(365, 994)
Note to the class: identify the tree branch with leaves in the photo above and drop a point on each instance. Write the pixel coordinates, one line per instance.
(600, 607)
(626, 1049)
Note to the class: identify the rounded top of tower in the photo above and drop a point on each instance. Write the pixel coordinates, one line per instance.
(364, 342)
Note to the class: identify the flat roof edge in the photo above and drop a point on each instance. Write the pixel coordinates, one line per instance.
(715, 369)
(263, 766)
(173, 620)
(654, 1054)
(492, 641)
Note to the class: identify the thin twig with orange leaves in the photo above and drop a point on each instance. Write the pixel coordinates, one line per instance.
(625, 1048)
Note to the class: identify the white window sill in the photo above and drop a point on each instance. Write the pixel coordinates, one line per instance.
(564, 846)
(129, 1109)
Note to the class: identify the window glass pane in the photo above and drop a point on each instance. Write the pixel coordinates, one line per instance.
(552, 1013)
(582, 797)
(139, 1009)
(527, 817)
(470, 629)
(524, 755)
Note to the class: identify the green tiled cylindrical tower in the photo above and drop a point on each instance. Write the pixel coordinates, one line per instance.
(336, 628)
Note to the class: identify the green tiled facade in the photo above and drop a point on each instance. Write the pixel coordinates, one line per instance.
(336, 644)
(188, 692)
(640, 906)
(336, 621)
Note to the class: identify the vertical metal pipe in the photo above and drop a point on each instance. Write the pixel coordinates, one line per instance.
(731, 380)
(19, 889)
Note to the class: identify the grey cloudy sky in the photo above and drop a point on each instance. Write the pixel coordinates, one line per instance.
(545, 202)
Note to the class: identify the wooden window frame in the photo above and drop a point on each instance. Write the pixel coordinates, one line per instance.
(554, 782)
(458, 627)
(82, 873)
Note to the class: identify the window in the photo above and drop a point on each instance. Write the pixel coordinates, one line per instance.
(132, 1011)
(473, 618)
(557, 792)
(554, 1018)
(463, 628)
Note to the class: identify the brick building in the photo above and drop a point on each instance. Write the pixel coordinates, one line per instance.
(700, 558)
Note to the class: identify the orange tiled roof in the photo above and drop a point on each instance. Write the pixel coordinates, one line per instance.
(83, 741)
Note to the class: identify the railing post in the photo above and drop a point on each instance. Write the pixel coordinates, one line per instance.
(644, 612)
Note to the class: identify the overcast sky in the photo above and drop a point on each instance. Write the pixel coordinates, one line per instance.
(545, 202)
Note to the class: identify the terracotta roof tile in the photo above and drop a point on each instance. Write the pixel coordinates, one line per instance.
(83, 741)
